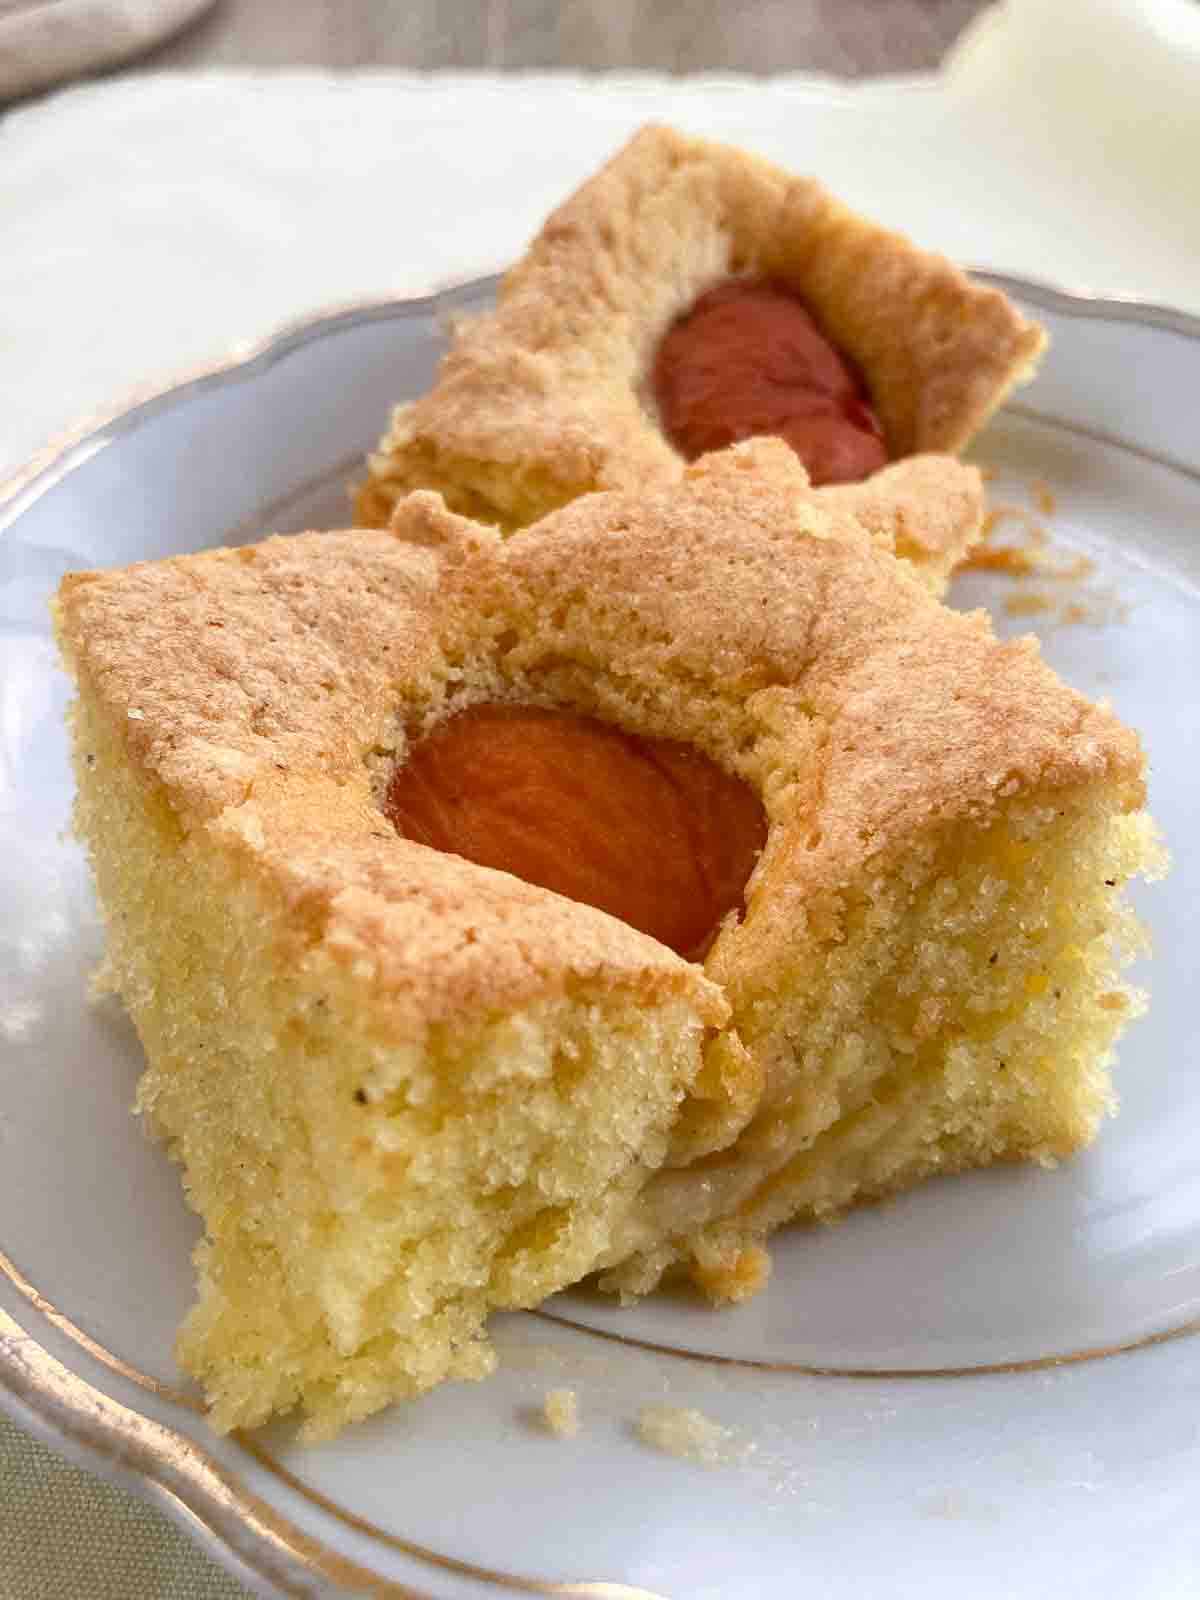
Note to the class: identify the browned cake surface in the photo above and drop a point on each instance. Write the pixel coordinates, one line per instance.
(926, 509)
(252, 683)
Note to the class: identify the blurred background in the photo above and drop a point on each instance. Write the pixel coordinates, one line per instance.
(849, 38)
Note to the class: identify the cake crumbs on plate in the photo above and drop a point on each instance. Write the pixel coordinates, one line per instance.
(1070, 571)
(560, 1410)
(1031, 555)
(1043, 497)
(1011, 511)
(1027, 603)
(1102, 607)
(1009, 558)
(1015, 559)
(687, 1434)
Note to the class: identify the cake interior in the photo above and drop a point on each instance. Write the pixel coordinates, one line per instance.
(508, 495)
(368, 1197)
(953, 1008)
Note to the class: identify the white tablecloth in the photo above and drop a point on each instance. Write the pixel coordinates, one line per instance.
(150, 222)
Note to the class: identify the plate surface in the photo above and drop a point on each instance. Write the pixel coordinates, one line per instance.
(906, 1406)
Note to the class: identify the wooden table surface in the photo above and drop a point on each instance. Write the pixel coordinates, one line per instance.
(850, 38)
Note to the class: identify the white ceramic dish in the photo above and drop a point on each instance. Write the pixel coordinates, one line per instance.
(988, 1387)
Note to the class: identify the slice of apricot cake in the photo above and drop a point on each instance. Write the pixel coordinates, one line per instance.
(495, 912)
(687, 297)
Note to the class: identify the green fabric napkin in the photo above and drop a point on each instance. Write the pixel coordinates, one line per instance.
(66, 1534)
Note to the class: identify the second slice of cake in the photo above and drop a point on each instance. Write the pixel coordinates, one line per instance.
(688, 296)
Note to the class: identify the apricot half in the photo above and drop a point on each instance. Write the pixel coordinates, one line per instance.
(748, 359)
(649, 830)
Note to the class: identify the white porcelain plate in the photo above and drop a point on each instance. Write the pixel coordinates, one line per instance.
(990, 1387)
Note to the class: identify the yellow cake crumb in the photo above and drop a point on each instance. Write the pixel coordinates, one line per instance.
(687, 1434)
(561, 1412)
(1043, 497)
(1028, 603)
(729, 1282)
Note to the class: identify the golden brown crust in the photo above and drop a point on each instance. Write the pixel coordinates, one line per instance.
(926, 509)
(253, 684)
(546, 398)
(239, 667)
